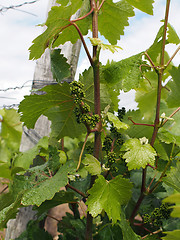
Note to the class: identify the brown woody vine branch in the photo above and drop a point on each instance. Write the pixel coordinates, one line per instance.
(159, 71)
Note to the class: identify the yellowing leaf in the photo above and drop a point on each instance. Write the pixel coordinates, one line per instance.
(138, 155)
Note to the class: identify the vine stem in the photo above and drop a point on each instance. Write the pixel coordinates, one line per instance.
(159, 72)
(97, 106)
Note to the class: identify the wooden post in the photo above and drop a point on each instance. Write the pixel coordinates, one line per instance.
(42, 77)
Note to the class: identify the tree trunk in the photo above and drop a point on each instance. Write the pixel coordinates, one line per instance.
(42, 77)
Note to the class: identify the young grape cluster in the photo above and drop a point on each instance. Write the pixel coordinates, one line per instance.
(77, 92)
(156, 217)
(121, 113)
(107, 144)
(111, 159)
(82, 111)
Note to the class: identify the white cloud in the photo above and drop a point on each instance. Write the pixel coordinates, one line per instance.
(17, 32)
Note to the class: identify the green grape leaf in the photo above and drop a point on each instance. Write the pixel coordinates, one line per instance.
(173, 177)
(138, 153)
(155, 50)
(92, 165)
(125, 74)
(109, 16)
(127, 231)
(58, 18)
(116, 122)
(46, 190)
(11, 128)
(173, 99)
(168, 137)
(138, 131)
(172, 36)
(59, 66)
(173, 125)
(143, 5)
(57, 104)
(8, 208)
(33, 106)
(62, 157)
(64, 122)
(59, 198)
(175, 198)
(5, 152)
(173, 235)
(25, 159)
(109, 195)
(5, 171)
(70, 33)
(146, 95)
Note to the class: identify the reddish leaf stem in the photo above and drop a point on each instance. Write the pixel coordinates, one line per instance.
(83, 42)
(76, 190)
(142, 124)
(170, 60)
(81, 18)
(160, 72)
(172, 114)
(100, 6)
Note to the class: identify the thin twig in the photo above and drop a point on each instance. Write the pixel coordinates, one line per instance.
(82, 150)
(103, 1)
(81, 18)
(147, 55)
(172, 114)
(153, 233)
(76, 190)
(141, 124)
(83, 42)
(170, 60)
(4, 188)
(165, 32)
(53, 218)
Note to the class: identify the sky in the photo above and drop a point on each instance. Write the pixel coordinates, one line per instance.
(19, 28)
